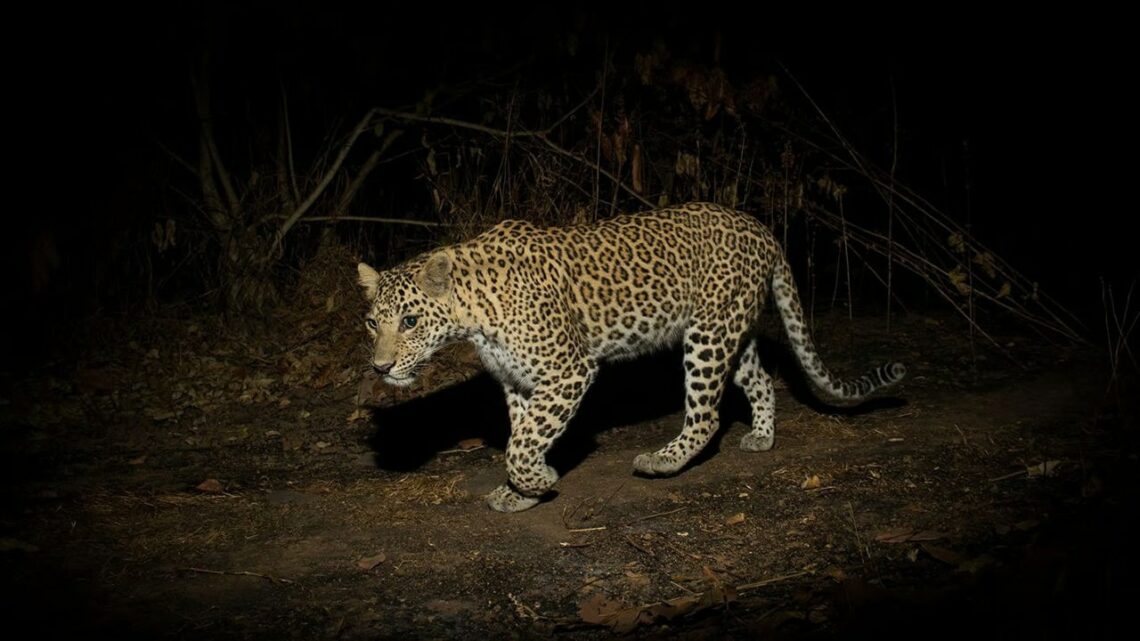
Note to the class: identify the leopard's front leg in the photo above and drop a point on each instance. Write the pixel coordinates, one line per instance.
(535, 424)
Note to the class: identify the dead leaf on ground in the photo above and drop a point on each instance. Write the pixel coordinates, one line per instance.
(469, 444)
(211, 486)
(359, 414)
(637, 579)
(947, 556)
(601, 610)
(811, 483)
(622, 619)
(735, 519)
(1046, 468)
(906, 534)
(369, 562)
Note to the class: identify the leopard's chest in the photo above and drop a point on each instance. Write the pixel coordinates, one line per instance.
(502, 364)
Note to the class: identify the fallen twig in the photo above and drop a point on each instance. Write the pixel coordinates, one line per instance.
(1011, 475)
(238, 573)
(588, 529)
(373, 219)
(652, 516)
(639, 547)
(775, 579)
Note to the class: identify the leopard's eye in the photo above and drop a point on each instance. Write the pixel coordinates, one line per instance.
(371, 323)
(409, 322)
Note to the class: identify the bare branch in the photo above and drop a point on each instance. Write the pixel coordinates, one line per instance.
(540, 135)
(356, 182)
(284, 190)
(223, 174)
(296, 194)
(361, 127)
(176, 158)
(557, 149)
(462, 124)
(215, 210)
(371, 219)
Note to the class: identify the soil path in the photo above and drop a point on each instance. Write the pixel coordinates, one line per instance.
(997, 507)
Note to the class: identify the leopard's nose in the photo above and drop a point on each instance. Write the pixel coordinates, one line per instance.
(382, 369)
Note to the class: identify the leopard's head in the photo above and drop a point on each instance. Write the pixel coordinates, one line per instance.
(411, 315)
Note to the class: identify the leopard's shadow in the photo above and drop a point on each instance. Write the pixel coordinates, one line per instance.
(407, 436)
(627, 393)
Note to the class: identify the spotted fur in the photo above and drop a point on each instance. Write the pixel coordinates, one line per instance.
(545, 306)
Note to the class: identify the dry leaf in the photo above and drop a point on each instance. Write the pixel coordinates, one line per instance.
(469, 444)
(637, 579)
(212, 486)
(622, 619)
(956, 242)
(359, 414)
(1048, 468)
(906, 534)
(986, 261)
(599, 610)
(735, 519)
(960, 279)
(947, 556)
(810, 483)
(370, 562)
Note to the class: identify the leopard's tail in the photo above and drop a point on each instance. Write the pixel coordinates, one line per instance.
(851, 390)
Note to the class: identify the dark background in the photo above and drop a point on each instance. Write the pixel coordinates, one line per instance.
(1024, 131)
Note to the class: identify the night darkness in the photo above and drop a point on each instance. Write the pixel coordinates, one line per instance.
(138, 366)
(1028, 139)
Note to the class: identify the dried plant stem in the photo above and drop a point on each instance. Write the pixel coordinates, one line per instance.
(891, 199)
(540, 135)
(372, 219)
(598, 142)
(1118, 328)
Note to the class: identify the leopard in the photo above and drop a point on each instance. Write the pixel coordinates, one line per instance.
(546, 306)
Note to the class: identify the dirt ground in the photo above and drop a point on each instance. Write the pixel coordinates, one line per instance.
(176, 483)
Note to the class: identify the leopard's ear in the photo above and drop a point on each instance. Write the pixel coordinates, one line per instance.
(369, 280)
(435, 276)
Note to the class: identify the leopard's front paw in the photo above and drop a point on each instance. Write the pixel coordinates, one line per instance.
(505, 499)
(752, 442)
(654, 464)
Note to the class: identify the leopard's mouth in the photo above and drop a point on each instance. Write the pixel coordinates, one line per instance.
(404, 376)
(400, 381)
